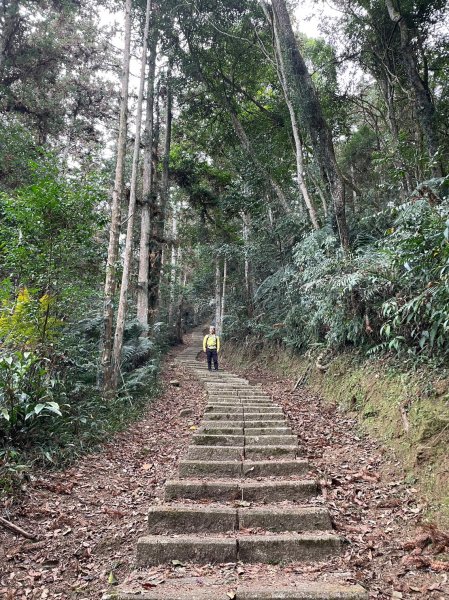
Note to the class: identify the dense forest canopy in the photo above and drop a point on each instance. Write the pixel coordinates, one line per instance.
(291, 188)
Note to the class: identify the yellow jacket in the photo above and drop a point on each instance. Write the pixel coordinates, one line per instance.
(212, 342)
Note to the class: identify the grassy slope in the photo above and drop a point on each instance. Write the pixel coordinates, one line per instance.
(408, 412)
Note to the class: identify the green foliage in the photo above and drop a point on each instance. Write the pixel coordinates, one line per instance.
(47, 231)
(391, 294)
(18, 150)
(26, 396)
(416, 319)
(26, 322)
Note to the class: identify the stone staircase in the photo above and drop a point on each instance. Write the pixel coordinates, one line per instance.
(243, 496)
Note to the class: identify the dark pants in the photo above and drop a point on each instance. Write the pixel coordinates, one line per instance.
(212, 355)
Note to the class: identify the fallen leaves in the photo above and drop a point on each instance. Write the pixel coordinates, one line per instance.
(371, 507)
(429, 536)
(90, 515)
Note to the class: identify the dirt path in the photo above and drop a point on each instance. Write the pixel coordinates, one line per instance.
(89, 517)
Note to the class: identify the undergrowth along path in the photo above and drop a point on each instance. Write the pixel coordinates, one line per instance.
(89, 516)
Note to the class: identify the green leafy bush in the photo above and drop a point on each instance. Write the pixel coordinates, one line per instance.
(26, 396)
(390, 294)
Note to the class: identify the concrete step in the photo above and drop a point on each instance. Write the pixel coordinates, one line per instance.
(209, 468)
(239, 396)
(238, 423)
(249, 423)
(267, 431)
(239, 400)
(270, 549)
(303, 590)
(223, 409)
(180, 519)
(221, 430)
(225, 490)
(215, 453)
(244, 423)
(200, 439)
(249, 410)
(158, 549)
(246, 469)
(270, 440)
(223, 416)
(274, 468)
(264, 416)
(271, 518)
(258, 453)
(167, 519)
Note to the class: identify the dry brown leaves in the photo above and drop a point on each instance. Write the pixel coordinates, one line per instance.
(89, 516)
(371, 506)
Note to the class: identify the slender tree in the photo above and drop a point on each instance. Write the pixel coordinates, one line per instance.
(114, 231)
(302, 186)
(160, 210)
(123, 302)
(148, 187)
(223, 294)
(300, 87)
(217, 295)
(424, 106)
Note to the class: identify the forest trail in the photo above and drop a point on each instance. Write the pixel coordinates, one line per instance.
(88, 518)
(244, 494)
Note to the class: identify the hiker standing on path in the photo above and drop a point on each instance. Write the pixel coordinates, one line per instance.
(211, 346)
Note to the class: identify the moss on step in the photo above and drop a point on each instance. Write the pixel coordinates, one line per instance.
(407, 411)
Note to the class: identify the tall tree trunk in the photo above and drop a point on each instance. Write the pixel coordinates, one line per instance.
(173, 265)
(159, 221)
(114, 232)
(217, 296)
(424, 106)
(179, 320)
(307, 106)
(249, 281)
(148, 195)
(123, 302)
(223, 294)
(302, 186)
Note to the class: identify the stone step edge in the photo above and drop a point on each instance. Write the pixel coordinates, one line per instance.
(268, 549)
(303, 591)
(174, 518)
(246, 469)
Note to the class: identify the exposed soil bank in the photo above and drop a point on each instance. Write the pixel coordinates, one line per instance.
(407, 412)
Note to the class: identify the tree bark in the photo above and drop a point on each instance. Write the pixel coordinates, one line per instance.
(249, 282)
(223, 294)
(123, 302)
(302, 186)
(217, 296)
(114, 232)
(424, 106)
(161, 209)
(308, 108)
(148, 195)
(179, 320)
(173, 265)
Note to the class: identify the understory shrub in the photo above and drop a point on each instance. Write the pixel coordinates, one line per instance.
(389, 294)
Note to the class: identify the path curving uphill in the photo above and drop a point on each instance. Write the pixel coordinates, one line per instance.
(244, 496)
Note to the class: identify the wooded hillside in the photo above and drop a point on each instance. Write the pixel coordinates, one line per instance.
(205, 160)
